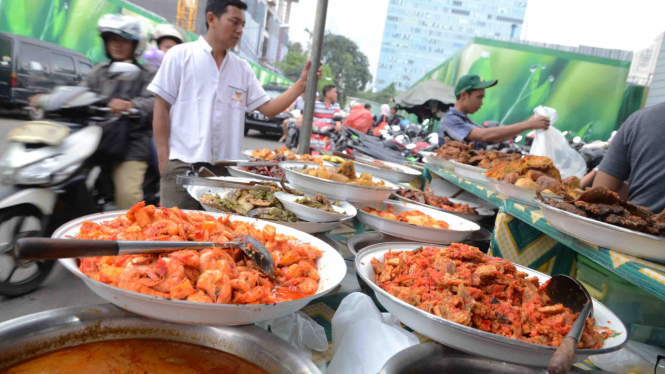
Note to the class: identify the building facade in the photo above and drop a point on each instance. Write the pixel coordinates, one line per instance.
(266, 35)
(420, 34)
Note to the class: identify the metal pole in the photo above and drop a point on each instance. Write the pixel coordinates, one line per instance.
(312, 82)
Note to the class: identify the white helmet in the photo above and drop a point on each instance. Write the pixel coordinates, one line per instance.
(166, 30)
(125, 26)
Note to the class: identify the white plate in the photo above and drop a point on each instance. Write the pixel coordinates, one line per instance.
(430, 158)
(345, 210)
(331, 266)
(472, 340)
(459, 228)
(473, 173)
(402, 174)
(236, 172)
(603, 234)
(482, 211)
(335, 190)
(304, 226)
(522, 194)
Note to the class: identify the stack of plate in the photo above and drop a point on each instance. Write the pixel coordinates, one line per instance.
(482, 211)
(335, 190)
(431, 159)
(305, 226)
(469, 172)
(459, 228)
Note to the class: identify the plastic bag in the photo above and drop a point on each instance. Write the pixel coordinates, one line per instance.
(635, 357)
(551, 143)
(363, 338)
(299, 330)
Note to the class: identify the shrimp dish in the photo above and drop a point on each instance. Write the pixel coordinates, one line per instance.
(413, 217)
(210, 275)
(463, 285)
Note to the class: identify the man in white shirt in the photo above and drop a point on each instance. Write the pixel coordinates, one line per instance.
(202, 93)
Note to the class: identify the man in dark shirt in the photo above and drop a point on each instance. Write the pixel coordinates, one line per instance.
(470, 91)
(636, 155)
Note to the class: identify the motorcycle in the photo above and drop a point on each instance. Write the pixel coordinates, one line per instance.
(323, 136)
(51, 177)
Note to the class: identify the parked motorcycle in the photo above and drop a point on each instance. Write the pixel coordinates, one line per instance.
(51, 177)
(324, 137)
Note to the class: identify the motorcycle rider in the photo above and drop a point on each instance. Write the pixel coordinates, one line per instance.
(124, 41)
(165, 36)
(470, 91)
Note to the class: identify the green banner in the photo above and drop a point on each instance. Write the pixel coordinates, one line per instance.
(586, 91)
(73, 24)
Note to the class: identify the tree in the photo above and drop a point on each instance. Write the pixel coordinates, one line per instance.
(293, 63)
(384, 96)
(349, 65)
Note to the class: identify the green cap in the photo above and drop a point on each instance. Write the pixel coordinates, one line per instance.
(472, 82)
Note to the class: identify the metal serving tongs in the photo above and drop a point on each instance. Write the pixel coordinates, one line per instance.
(184, 180)
(244, 163)
(52, 249)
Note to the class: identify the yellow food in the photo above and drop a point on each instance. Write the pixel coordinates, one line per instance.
(527, 183)
(346, 173)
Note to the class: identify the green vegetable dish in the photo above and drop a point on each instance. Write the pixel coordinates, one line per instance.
(319, 202)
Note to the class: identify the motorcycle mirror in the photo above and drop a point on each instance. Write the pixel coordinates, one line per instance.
(124, 71)
(395, 128)
(410, 146)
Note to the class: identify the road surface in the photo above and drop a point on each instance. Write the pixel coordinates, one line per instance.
(62, 289)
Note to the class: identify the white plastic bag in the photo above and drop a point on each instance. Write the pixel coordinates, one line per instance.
(551, 143)
(299, 330)
(364, 339)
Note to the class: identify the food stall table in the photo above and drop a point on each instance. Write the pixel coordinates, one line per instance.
(647, 275)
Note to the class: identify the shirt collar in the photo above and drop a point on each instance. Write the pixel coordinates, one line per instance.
(457, 112)
(204, 44)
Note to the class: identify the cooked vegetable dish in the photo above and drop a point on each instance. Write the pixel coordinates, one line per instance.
(136, 356)
(253, 203)
(319, 202)
(428, 197)
(463, 285)
(211, 275)
(413, 217)
(604, 205)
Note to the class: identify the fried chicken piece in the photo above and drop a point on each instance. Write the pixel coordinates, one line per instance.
(548, 183)
(348, 170)
(511, 178)
(571, 183)
(485, 164)
(599, 209)
(639, 211)
(599, 195)
(628, 221)
(463, 158)
(475, 160)
(661, 217)
(534, 174)
(522, 165)
(565, 206)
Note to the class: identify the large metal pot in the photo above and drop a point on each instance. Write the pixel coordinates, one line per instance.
(433, 358)
(30, 336)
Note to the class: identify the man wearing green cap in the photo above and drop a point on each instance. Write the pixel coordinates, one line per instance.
(470, 91)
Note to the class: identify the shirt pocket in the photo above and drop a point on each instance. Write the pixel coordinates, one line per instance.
(236, 98)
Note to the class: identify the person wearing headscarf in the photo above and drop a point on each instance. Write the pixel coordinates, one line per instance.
(384, 117)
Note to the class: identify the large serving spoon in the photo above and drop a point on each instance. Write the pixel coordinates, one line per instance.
(52, 249)
(565, 290)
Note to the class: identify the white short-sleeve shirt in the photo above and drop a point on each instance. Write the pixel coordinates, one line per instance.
(208, 104)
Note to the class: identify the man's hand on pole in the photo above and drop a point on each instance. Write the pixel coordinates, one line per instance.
(302, 81)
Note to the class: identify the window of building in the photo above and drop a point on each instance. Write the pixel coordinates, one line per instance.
(509, 19)
(489, 16)
(459, 11)
(457, 3)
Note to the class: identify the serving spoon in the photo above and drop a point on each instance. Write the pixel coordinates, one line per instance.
(52, 249)
(565, 290)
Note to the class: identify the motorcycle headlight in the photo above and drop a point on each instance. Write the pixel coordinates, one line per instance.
(41, 172)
